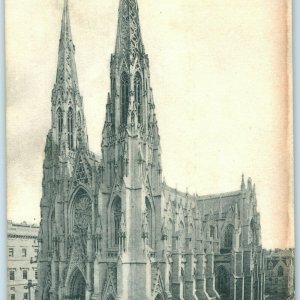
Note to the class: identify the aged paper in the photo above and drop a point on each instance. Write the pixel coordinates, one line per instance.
(218, 89)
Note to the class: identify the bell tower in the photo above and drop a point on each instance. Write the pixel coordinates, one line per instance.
(68, 122)
(66, 138)
(131, 159)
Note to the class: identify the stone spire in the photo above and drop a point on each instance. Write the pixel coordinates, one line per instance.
(68, 120)
(129, 39)
(66, 75)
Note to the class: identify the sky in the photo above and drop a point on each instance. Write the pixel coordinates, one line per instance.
(220, 80)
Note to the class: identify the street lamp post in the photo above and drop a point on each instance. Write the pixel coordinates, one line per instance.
(30, 285)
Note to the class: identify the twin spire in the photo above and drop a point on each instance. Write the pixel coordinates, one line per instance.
(66, 75)
(129, 39)
(129, 42)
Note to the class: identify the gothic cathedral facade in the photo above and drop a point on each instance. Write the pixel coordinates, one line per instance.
(111, 228)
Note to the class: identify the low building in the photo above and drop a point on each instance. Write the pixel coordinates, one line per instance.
(279, 274)
(22, 244)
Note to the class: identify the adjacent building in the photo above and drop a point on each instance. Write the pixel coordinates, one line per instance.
(111, 228)
(22, 248)
(280, 274)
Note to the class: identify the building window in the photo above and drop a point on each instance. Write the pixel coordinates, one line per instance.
(24, 252)
(59, 121)
(112, 108)
(24, 274)
(280, 271)
(116, 218)
(212, 231)
(228, 237)
(11, 252)
(138, 95)
(13, 297)
(70, 128)
(25, 296)
(124, 97)
(11, 275)
(149, 220)
(181, 237)
(170, 234)
(13, 289)
(35, 274)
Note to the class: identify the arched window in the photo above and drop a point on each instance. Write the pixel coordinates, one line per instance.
(170, 234)
(253, 236)
(181, 236)
(280, 271)
(223, 282)
(70, 128)
(59, 121)
(78, 119)
(116, 210)
(149, 220)
(52, 230)
(124, 97)
(192, 235)
(81, 214)
(112, 108)
(212, 231)
(228, 236)
(138, 95)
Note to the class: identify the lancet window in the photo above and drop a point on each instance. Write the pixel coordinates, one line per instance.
(112, 108)
(124, 97)
(280, 271)
(59, 121)
(70, 128)
(212, 231)
(170, 235)
(138, 95)
(181, 236)
(79, 119)
(228, 236)
(116, 220)
(149, 220)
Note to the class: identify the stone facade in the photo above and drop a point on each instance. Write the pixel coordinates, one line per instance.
(111, 228)
(22, 248)
(280, 274)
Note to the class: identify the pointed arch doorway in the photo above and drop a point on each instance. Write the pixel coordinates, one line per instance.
(159, 297)
(76, 288)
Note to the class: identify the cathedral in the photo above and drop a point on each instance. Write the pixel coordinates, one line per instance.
(111, 228)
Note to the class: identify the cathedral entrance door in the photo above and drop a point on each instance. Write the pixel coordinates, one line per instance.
(77, 287)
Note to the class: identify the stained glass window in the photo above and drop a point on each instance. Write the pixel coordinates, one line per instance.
(116, 219)
(124, 97)
(280, 271)
(228, 237)
(59, 121)
(149, 220)
(70, 128)
(138, 95)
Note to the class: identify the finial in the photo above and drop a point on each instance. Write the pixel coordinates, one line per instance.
(243, 183)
